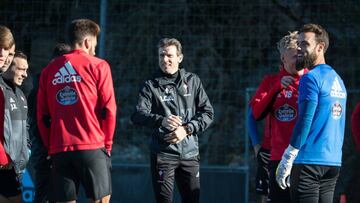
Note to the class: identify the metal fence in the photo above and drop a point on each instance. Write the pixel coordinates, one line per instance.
(230, 44)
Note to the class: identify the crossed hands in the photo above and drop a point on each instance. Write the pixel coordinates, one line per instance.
(174, 124)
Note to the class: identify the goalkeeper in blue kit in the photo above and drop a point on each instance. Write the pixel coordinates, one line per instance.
(313, 158)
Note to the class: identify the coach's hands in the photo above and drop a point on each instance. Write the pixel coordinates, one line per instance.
(284, 168)
(176, 136)
(171, 122)
(286, 81)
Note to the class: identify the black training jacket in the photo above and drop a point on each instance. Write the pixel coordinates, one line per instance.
(160, 97)
(16, 136)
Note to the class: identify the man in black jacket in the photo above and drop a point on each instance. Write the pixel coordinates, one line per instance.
(174, 104)
(39, 159)
(15, 126)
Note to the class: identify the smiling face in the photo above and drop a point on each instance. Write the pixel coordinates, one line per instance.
(289, 60)
(309, 50)
(17, 72)
(169, 59)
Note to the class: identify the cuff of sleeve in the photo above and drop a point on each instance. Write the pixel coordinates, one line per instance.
(159, 121)
(108, 147)
(192, 127)
(290, 154)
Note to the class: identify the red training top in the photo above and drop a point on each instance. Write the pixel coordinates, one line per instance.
(355, 125)
(281, 104)
(76, 104)
(4, 157)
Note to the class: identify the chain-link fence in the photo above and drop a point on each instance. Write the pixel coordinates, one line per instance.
(230, 44)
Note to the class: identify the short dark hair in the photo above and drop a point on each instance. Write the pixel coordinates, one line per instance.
(20, 54)
(320, 33)
(165, 42)
(80, 28)
(61, 49)
(6, 37)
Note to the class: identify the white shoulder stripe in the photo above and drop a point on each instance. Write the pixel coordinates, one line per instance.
(70, 68)
(63, 71)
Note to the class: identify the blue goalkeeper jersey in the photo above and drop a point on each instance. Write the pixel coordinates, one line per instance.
(319, 132)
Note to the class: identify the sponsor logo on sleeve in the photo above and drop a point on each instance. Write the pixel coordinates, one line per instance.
(285, 113)
(67, 96)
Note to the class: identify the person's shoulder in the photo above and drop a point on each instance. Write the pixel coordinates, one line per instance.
(152, 79)
(55, 63)
(21, 93)
(97, 61)
(189, 75)
(270, 78)
(81, 56)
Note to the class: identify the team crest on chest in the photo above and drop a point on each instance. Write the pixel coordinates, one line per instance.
(336, 110)
(168, 96)
(13, 105)
(285, 113)
(186, 90)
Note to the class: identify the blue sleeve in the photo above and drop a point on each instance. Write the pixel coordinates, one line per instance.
(308, 101)
(309, 88)
(302, 127)
(252, 127)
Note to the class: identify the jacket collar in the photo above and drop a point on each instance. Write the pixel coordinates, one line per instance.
(162, 81)
(7, 84)
(283, 72)
(78, 51)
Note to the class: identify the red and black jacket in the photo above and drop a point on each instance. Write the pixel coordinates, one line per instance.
(281, 104)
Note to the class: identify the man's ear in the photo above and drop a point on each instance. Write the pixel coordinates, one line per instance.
(321, 47)
(181, 56)
(87, 43)
(282, 58)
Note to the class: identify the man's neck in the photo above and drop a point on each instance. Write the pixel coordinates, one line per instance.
(10, 83)
(300, 72)
(80, 47)
(320, 60)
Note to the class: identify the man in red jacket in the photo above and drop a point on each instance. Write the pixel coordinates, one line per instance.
(355, 125)
(76, 117)
(277, 97)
